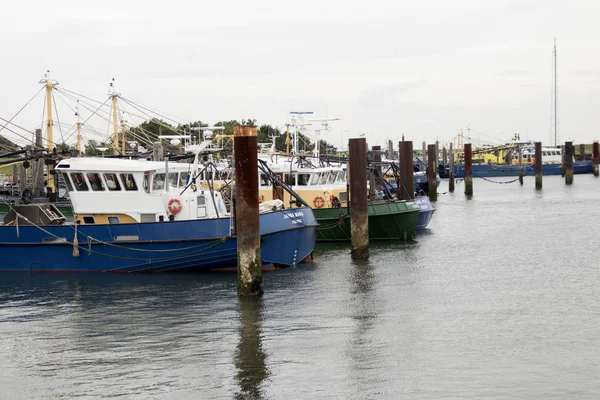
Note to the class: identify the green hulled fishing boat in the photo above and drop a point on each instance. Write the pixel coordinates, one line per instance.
(387, 221)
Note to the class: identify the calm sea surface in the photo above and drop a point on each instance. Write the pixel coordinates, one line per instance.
(499, 299)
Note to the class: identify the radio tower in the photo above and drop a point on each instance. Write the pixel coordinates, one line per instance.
(554, 106)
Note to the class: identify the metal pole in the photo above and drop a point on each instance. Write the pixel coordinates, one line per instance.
(246, 210)
(406, 191)
(431, 171)
(595, 157)
(538, 165)
(468, 170)
(357, 165)
(568, 163)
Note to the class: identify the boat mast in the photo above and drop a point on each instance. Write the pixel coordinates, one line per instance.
(49, 83)
(114, 94)
(78, 129)
(122, 134)
(554, 96)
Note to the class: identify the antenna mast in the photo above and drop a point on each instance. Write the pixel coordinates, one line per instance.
(554, 96)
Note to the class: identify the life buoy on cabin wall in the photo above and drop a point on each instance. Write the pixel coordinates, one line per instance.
(318, 202)
(175, 206)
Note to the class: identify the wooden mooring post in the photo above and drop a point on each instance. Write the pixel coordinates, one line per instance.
(582, 152)
(568, 169)
(468, 170)
(431, 172)
(562, 160)
(406, 191)
(538, 165)
(247, 223)
(451, 170)
(359, 213)
(520, 165)
(595, 158)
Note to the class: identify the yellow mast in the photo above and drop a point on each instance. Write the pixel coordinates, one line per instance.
(49, 83)
(113, 93)
(78, 130)
(287, 138)
(122, 136)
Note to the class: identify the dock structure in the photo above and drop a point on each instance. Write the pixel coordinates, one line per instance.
(451, 171)
(247, 223)
(405, 154)
(568, 166)
(595, 158)
(431, 171)
(357, 165)
(468, 170)
(538, 165)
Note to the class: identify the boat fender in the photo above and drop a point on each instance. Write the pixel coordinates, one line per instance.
(175, 206)
(318, 202)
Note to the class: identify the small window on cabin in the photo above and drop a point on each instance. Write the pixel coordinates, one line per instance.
(173, 179)
(201, 201)
(88, 220)
(183, 179)
(290, 179)
(79, 182)
(95, 181)
(146, 182)
(264, 181)
(113, 220)
(158, 182)
(303, 179)
(341, 176)
(332, 176)
(112, 183)
(323, 179)
(67, 181)
(314, 180)
(128, 182)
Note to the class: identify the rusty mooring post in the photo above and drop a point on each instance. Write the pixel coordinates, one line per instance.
(246, 211)
(357, 165)
(468, 170)
(432, 172)
(451, 170)
(595, 158)
(562, 160)
(582, 151)
(406, 191)
(538, 165)
(520, 165)
(568, 163)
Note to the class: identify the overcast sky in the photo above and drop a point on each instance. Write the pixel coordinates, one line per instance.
(425, 69)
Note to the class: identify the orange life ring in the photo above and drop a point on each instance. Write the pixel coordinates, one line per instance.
(318, 202)
(175, 206)
(261, 198)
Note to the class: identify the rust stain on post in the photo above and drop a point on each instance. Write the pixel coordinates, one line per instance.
(432, 171)
(595, 157)
(568, 163)
(406, 191)
(357, 165)
(538, 165)
(246, 211)
(468, 170)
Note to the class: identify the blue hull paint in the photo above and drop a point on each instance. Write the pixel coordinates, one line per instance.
(287, 237)
(491, 171)
(425, 213)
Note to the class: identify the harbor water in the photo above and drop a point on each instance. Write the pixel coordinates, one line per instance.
(498, 299)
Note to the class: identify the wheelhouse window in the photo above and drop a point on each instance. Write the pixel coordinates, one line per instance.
(158, 182)
(95, 181)
(112, 183)
(341, 176)
(113, 220)
(303, 179)
(79, 182)
(323, 179)
(67, 181)
(314, 180)
(264, 181)
(183, 179)
(128, 182)
(332, 176)
(173, 179)
(290, 179)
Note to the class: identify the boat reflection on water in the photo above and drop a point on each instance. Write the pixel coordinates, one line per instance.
(250, 357)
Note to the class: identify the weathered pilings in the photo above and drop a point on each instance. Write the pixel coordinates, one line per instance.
(432, 172)
(451, 170)
(538, 165)
(247, 224)
(595, 158)
(520, 165)
(407, 183)
(357, 166)
(568, 170)
(468, 170)
(582, 151)
(562, 160)
(424, 152)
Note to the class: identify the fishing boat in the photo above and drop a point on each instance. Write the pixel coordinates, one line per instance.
(388, 220)
(132, 216)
